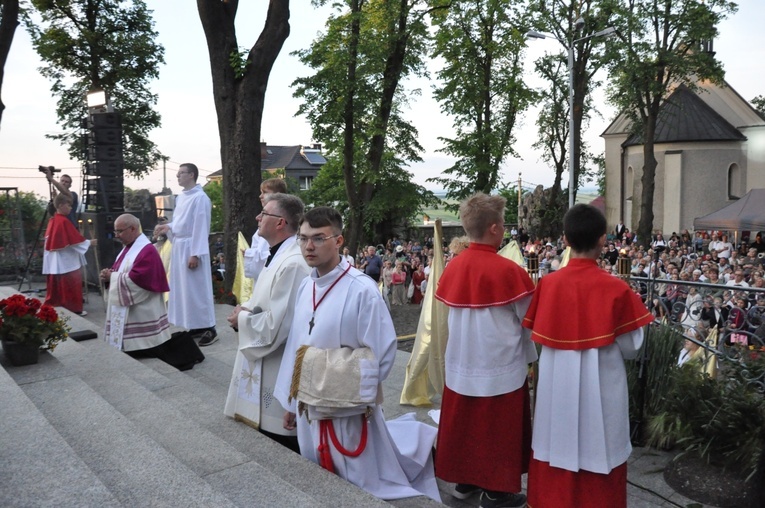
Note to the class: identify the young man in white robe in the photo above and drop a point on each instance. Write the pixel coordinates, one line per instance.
(191, 303)
(264, 322)
(340, 307)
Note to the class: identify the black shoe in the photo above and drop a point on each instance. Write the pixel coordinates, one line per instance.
(208, 337)
(508, 500)
(465, 490)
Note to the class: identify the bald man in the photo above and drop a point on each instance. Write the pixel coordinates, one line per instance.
(136, 320)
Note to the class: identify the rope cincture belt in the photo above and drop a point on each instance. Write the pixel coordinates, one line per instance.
(327, 428)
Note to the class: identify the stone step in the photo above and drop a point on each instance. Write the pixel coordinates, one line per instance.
(266, 474)
(37, 465)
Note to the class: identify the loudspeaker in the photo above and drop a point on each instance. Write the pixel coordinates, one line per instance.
(105, 121)
(105, 153)
(105, 137)
(106, 184)
(104, 168)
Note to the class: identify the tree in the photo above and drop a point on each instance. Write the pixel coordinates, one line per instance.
(759, 104)
(240, 78)
(510, 193)
(660, 44)
(553, 125)
(395, 202)
(559, 17)
(31, 208)
(9, 20)
(482, 44)
(354, 102)
(106, 44)
(214, 191)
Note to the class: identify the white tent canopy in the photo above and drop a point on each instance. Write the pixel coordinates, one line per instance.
(745, 214)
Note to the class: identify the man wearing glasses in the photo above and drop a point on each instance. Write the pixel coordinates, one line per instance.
(136, 320)
(339, 309)
(264, 322)
(191, 303)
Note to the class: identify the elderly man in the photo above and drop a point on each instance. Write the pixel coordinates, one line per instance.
(264, 322)
(191, 302)
(136, 321)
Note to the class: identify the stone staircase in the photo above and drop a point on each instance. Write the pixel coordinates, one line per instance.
(91, 426)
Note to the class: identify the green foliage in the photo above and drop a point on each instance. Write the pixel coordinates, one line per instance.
(239, 62)
(108, 44)
(384, 213)
(32, 208)
(481, 44)
(510, 193)
(664, 344)
(138, 200)
(722, 421)
(759, 104)
(354, 103)
(214, 191)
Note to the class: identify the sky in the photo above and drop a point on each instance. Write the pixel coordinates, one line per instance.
(189, 124)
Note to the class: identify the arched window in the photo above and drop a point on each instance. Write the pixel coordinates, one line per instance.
(735, 182)
(630, 183)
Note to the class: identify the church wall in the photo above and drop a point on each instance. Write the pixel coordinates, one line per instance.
(673, 182)
(614, 179)
(705, 181)
(700, 187)
(755, 151)
(634, 160)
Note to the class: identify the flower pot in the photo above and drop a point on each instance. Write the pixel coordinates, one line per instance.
(19, 353)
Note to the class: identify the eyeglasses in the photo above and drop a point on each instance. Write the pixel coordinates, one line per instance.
(120, 231)
(179, 173)
(263, 212)
(317, 241)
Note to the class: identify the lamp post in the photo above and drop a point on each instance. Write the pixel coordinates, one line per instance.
(578, 25)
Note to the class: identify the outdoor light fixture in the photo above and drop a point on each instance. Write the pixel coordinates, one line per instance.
(578, 25)
(96, 98)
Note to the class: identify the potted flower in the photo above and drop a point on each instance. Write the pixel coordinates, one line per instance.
(26, 326)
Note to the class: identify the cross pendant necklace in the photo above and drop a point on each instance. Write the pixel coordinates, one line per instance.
(316, 304)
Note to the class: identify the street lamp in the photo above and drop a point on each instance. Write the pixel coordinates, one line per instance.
(578, 25)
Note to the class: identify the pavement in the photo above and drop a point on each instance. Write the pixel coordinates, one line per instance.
(81, 368)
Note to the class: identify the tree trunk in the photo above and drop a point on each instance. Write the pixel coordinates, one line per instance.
(645, 225)
(352, 187)
(8, 24)
(239, 106)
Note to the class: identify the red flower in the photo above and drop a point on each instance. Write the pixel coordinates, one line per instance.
(48, 313)
(34, 303)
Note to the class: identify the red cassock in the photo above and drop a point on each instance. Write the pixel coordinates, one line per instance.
(65, 289)
(484, 440)
(577, 308)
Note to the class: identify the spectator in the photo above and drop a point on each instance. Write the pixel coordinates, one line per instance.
(372, 264)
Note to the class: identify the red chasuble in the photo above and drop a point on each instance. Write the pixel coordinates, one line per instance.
(479, 277)
(61, 233)
(565, 312)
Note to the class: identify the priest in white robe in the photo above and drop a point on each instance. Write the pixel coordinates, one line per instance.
(264, 322)
(191, 303)
(340, 307)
